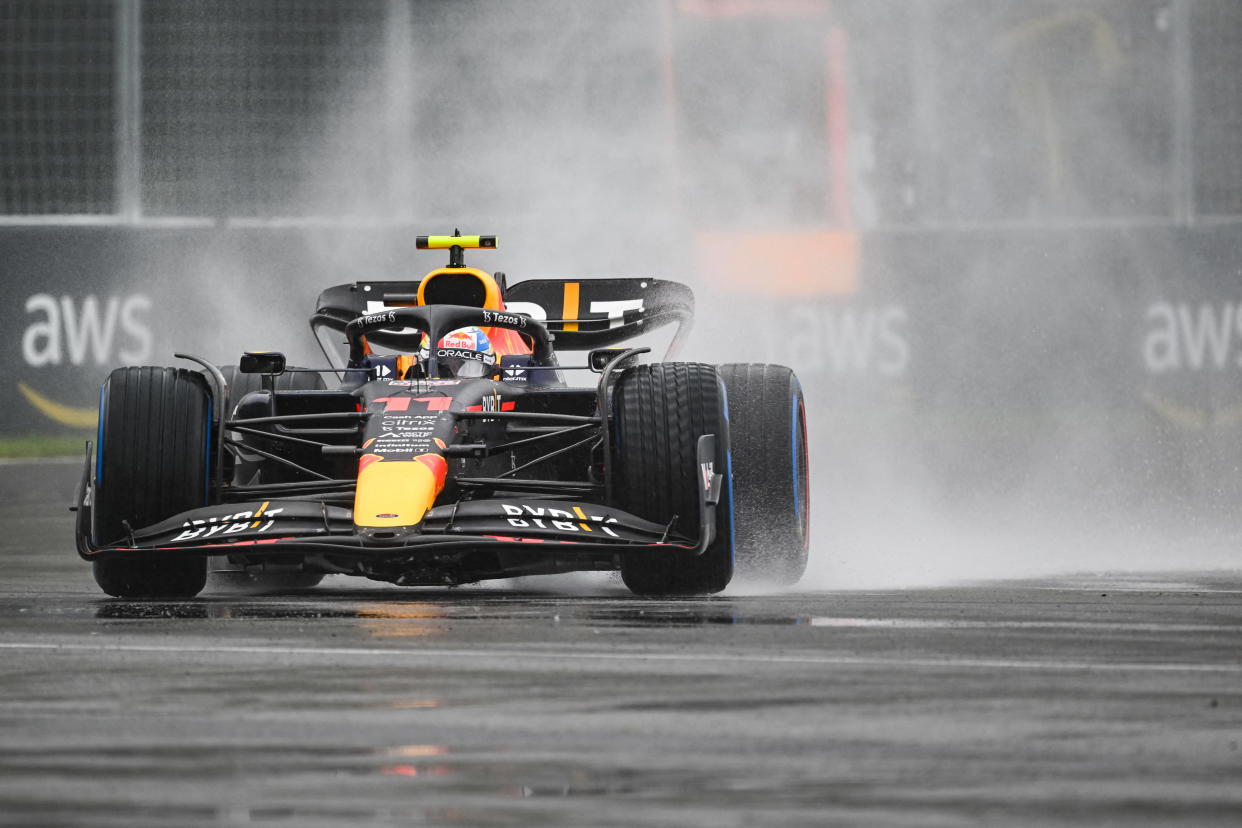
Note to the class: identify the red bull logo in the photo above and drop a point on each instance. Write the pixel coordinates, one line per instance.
(463, 340)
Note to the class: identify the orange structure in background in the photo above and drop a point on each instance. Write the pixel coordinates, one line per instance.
(781, 264)
(822, 257)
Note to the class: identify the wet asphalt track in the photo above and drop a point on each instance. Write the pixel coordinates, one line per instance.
(1088, 701)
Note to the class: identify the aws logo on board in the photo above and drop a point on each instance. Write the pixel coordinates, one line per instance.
(859, 341)
(1191, 351)
(88, 332)
(1184, 337)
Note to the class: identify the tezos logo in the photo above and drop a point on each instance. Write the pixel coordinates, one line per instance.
(491, 317)
(378, 318)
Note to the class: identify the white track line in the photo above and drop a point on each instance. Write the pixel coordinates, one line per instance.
(846, 623)
(1172, 588)
(730, 658)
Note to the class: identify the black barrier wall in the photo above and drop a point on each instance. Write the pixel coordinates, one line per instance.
(82, 301)
(1101, 359)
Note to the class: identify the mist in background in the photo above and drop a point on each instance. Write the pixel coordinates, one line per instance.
(996, 240)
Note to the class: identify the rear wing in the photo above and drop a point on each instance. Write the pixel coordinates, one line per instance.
(580, 314)
(595, 313)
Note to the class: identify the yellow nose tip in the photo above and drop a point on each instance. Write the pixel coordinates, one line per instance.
(395, 492)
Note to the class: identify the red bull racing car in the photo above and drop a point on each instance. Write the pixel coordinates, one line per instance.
(454, 445)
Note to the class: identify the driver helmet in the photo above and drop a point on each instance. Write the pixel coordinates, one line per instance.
(464, 353)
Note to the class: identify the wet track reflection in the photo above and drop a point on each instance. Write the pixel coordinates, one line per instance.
(508, 707)
(401, 611)
(1099, 699)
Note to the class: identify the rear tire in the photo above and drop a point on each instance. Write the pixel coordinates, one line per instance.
(771, 475)
(240, 466)
(152, 463)
(659, 413)
(242, 384)
(222, 573)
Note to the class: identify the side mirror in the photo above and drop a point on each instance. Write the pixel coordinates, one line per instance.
(599, 358)
(262, 362)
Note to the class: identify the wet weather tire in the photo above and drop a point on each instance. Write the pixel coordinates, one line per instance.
(152, 463)
(242, 384)
(223, 574)
(659, 413)
(771, 476)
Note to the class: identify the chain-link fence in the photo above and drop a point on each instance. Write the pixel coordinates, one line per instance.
(956, 111)
(58, 117)
(235, 94)
(1217, 102)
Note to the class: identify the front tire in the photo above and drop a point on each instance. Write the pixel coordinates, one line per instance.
(152, 463)
(659, 413)
(771, 476)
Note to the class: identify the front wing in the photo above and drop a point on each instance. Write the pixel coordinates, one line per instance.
(279, 529)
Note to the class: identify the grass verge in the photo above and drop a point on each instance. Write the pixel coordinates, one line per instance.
(42, 446)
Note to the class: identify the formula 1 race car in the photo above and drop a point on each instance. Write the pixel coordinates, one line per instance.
(453, 448)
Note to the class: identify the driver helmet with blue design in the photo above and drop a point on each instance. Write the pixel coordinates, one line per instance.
(462, 354)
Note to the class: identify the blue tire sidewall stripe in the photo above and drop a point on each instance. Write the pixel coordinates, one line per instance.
(99, 437)
(724, 396)
(794, 442)
(732, 530)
